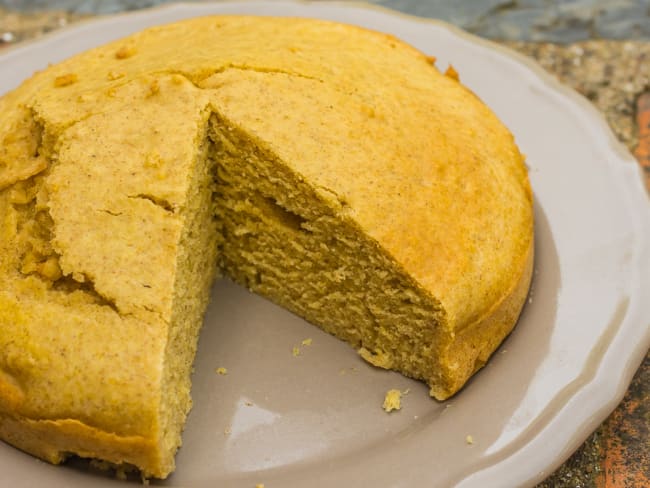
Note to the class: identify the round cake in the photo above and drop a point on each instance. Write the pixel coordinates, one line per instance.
(360, 188)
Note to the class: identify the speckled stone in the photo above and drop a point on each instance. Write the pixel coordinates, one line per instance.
(16, 27)
(627, 436)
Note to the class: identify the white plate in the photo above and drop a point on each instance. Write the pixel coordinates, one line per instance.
(316, 420)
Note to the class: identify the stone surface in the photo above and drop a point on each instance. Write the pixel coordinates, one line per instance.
(626, 449)
(531, 20)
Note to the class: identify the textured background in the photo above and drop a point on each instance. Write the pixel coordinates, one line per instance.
(532, 20)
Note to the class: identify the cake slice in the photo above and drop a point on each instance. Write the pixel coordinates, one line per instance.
(359, 188)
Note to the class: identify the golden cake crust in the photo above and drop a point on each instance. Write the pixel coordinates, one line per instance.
(405, 155)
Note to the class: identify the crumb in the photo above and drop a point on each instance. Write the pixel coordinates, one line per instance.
(227, 431)
(406, 392)
(452, 73)
(259, 485)
(154, 88)
(65, 80)
(306, 342)
(248, 404)
(393, 400)
(79, 277)
(469, 439)
(112, 75)
(125, 52)
(50, 269)
(295, 351)
(222, 371)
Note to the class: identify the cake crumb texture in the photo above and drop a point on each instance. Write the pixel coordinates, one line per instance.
(392, 400)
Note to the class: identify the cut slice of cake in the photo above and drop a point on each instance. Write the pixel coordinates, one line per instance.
(359, 188)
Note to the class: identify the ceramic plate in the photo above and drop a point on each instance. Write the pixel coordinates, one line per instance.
(316, 419)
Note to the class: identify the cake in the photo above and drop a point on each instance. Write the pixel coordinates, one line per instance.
(360, 188)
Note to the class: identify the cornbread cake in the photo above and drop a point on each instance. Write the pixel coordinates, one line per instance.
(359, 188)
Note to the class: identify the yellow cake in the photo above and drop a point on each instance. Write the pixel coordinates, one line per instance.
(359, 188)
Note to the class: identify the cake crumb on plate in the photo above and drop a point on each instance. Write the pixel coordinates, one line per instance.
(392, 400)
